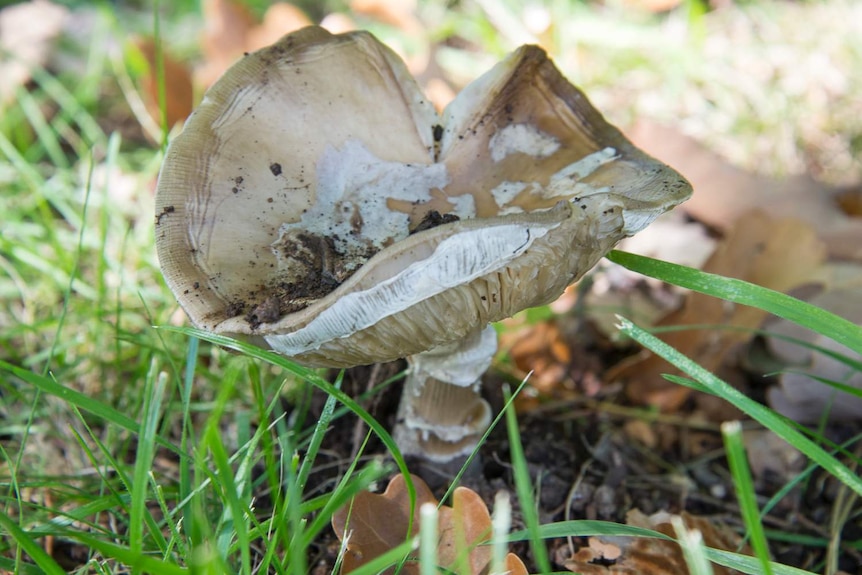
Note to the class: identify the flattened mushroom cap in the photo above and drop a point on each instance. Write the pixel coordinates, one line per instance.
(258, 195)
(317, 202)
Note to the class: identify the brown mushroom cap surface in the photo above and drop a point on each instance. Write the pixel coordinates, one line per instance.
(316, 202)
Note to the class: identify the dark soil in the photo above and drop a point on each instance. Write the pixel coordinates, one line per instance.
(585, 464)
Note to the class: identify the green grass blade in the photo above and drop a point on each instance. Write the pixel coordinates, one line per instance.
(137, 561)
(11, 566)
(750, 565)
(236, 510)
(313, 378)
(154, 393)
(523, 487)
(586, 528)
(185, 475)
(738, 291)
(45, 134)
(693, 548)
(744, 486)
(76, 398)
(316, 439)
(42, 559)
(706, 381)
(388, 559)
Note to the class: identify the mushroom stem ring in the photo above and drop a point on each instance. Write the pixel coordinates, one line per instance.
(442, 414)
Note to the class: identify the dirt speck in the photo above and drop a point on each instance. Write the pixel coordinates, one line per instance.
(433, 219)
(275, 168)
(165, 211)
(268, 311)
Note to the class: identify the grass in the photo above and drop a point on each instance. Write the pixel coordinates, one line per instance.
(160, 451)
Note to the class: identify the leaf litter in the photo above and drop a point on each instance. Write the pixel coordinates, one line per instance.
(372, 524)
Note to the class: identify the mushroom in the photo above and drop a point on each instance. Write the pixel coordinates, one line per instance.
(316, 203)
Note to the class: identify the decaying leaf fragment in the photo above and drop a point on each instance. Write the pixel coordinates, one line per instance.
(801, 394)
(373, 524)
(726, 193)
(645, 556)
(777, 254)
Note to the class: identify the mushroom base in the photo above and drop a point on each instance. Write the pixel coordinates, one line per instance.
(442, 416)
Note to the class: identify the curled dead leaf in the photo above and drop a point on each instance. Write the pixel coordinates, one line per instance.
(231, 30)
(373, 524)
(179, 90)
(801, 394)
(777, 254)
(646, 556)
(725, 193)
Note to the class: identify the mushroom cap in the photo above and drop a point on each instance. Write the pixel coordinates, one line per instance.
(315, 202)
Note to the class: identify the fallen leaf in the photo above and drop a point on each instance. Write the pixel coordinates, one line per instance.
(463, 530)
(723, 193)
(377, 523)
(179, 90)
(514, 565)
(562, 356)
(771, 459)
(540, 349)
(645, 556)
(850, 201)
(777, 254)
(799, 395)
(230, 31)
(373, 524)
(226, 30)
(280, 18)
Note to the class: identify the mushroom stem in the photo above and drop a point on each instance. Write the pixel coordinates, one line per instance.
(442, 416)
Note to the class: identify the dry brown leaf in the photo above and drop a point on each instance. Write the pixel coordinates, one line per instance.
(226, 29)
(280, 18)
(771, 459)
(179, 90)
(777, 254)
(540, 349)
(645, 556)
(723, 193)
(377, 523)
(230, 30)
(799, 396)
(374, 524)
(850, 201)
(514, 565)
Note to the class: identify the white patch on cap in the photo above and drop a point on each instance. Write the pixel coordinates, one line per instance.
(506, 192)
(565, 182)
(522, 138)
(465, 206)
(457, 260)
(353, 186)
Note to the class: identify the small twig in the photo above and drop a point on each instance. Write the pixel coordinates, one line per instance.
(568, 511)
(359, 426)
